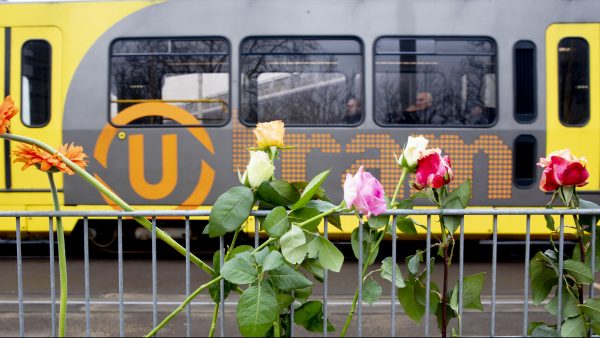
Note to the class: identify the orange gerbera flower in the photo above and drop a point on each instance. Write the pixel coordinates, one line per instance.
(7, 112)
(31, 155)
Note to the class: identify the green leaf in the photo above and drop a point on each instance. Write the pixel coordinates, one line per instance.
(240, 269)
(569, 305)
(310, 316)
(413, 262)
(330, 256)
(542, 284)
(595, 326)
(378, 222)
(303, 294)
(278, 193)
(591, 308)
(257, 309)
(462, 193)
(313, 248)
(587, 219)
(532, 325)
(304, 214)
(293, 245)
(311, 189)
(272, 261)
(579, 271)
(407, 297)
(230, 210)
(277, 223)
(315, 268)
(284, 301)
(386, 272)
(371, 291)
(406, 225)
(404, 204)
(369, 239)
(286, 278)
(544, 331)
(324, 206)
(452, 222)
(549, 220)
(573, 327)
(472, 286)
(215, 290)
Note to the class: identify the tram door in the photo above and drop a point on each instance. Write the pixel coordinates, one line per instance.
(573, 93)
(33, 57)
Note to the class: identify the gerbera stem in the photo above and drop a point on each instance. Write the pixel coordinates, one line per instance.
(114, 197)
(62, 260)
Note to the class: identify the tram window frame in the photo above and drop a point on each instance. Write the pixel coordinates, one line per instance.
(432, 46)
(27, 113)
(171, 40)
(294, 46)
(565, 119)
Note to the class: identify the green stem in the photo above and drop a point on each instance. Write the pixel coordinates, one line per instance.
(213, 325)
(62, 260)
(372, 252)
(198, 291)
(114, 197)
(321, 215)
(182, 306)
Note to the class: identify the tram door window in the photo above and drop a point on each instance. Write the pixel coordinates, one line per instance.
(525, 72)
(435, 81)
(35, 81)
(302, 80)
(574, 81)
(192, 74)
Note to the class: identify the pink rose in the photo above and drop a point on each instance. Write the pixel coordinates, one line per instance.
(365, 193)
(562, 168)
(433, 170)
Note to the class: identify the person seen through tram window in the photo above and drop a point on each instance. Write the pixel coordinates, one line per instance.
(353, 112)
(423, 111)
(475, 115)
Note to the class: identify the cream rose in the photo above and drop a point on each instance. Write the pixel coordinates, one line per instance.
(412, 152)
(260, 169)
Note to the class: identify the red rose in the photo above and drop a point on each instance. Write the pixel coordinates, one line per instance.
(433, 170)
(562, 168)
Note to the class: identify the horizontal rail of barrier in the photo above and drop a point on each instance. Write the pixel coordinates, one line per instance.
(187, 214)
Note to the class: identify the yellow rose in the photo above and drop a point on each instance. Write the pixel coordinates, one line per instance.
(270, 134)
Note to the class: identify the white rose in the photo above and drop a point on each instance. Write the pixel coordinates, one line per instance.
(260, 169)
(412, 152)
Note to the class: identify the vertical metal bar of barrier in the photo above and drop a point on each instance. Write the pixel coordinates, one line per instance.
(561, 247)
(494, 267)
(428, 276)
(222, 286)
(526, 279)
(593, 255)
(120, 268)
(461, 274)
(393, 301)
(325, 282)
(52, 287)
(593, 262)
(360, 267)
(188, 310)
(154, 281)
(256, 230)
(86, 269)
(20, 279)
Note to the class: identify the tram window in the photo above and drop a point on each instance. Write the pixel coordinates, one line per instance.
(435, 81)
(301, 80)
(574, 81)
(525, 85)
(524, 159)
(36, 71)
(191, 74)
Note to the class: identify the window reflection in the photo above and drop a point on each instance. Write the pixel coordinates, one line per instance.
(191, 74)
(435, 82)
(302, 81)
(574, 81)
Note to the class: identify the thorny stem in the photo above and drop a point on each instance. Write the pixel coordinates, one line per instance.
(114, 197)
(62, 260)
(198, 291)
(372, 252)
